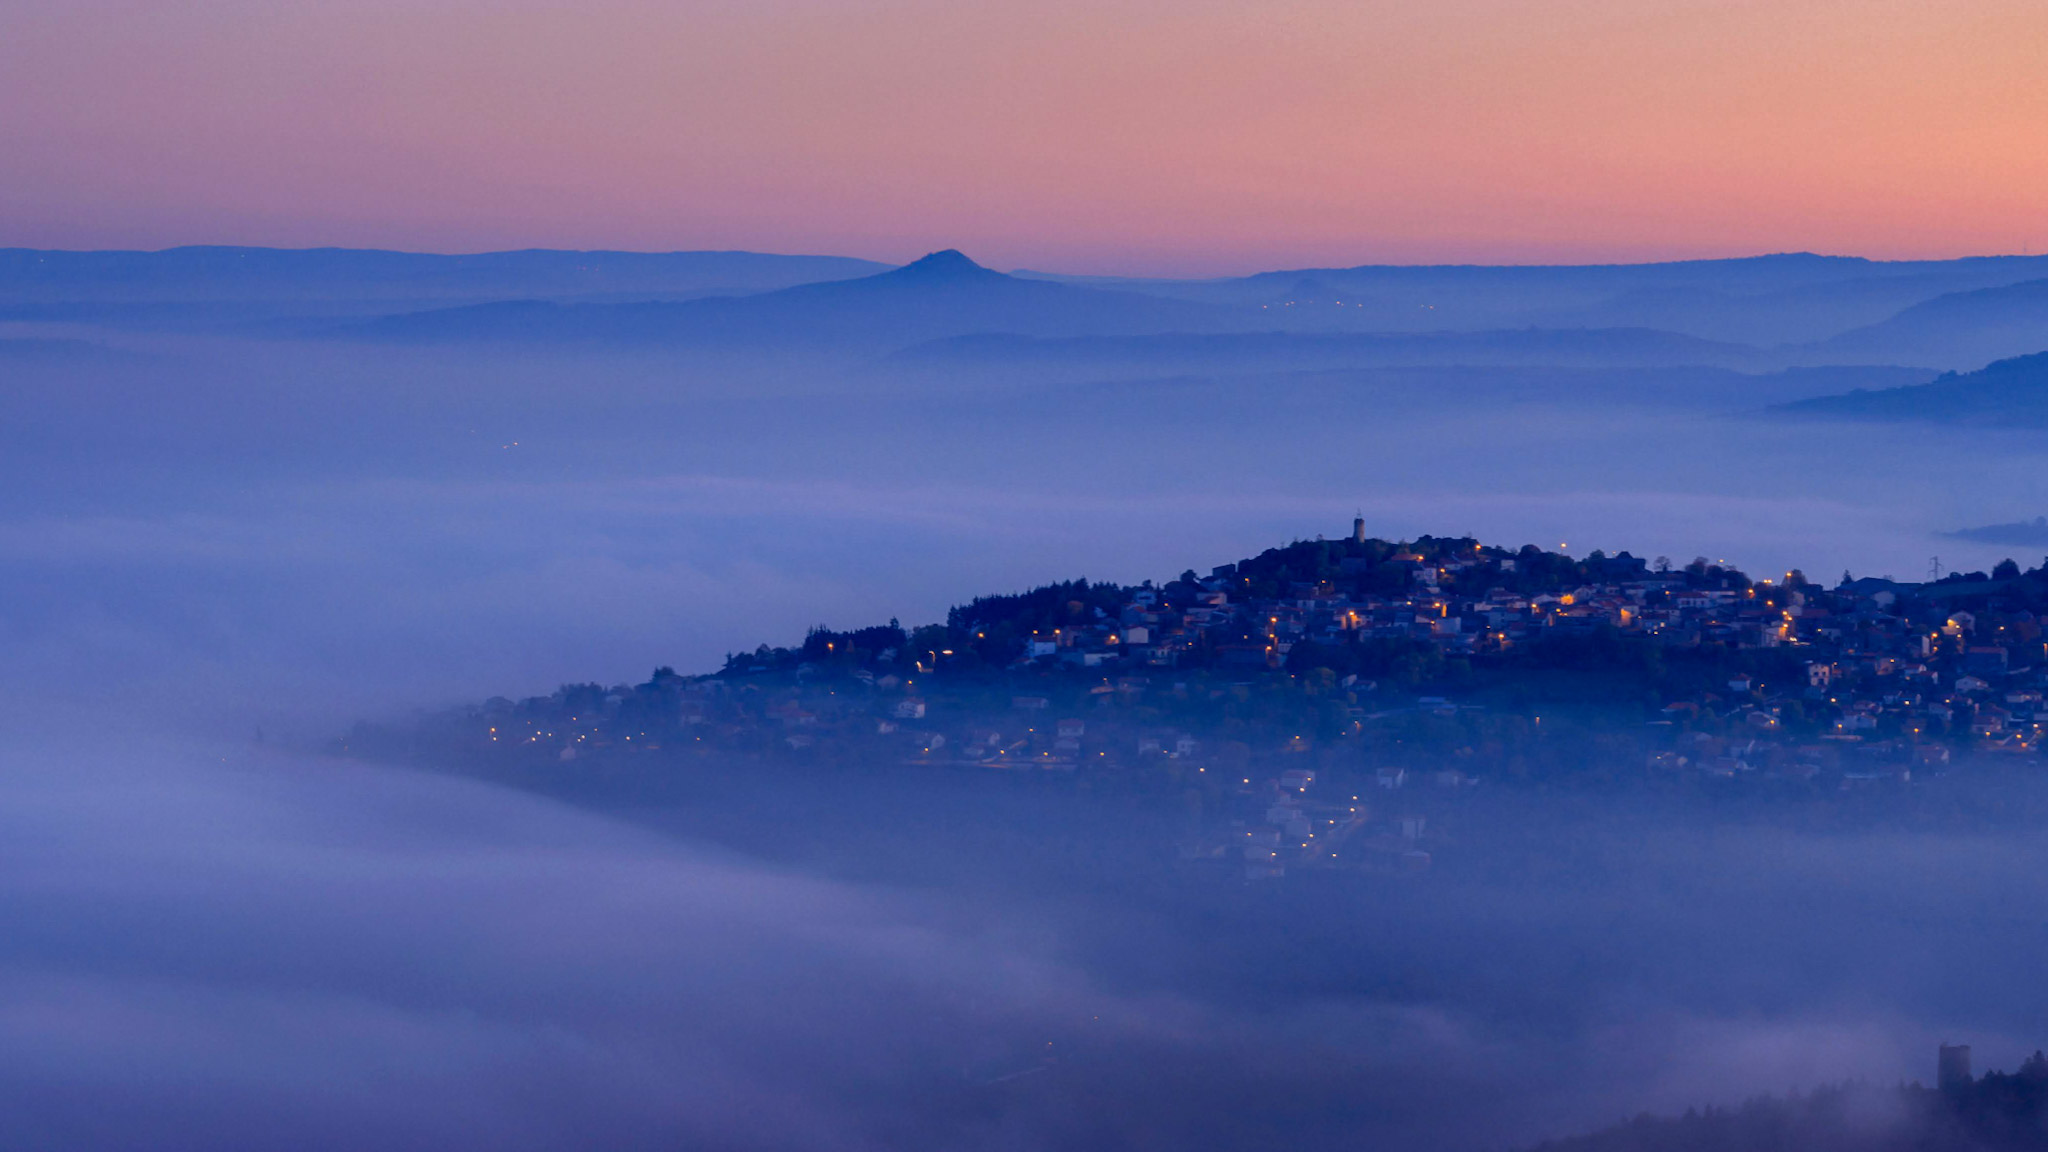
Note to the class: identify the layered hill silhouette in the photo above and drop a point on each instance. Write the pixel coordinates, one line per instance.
(947, 310)
(1961, 329)
(1752, 313)
(1788, 299)
(943, 294)
(2012, 392)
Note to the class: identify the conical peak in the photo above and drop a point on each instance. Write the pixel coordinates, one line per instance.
(946, 264)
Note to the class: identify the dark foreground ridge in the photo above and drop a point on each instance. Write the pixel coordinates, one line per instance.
(1996, 1112)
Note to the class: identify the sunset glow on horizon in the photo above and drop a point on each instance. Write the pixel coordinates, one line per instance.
(1125, 136)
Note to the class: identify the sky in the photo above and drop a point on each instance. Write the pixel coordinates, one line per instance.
(1168, 137)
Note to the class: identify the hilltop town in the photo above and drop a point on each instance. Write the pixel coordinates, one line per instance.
(1300, 702)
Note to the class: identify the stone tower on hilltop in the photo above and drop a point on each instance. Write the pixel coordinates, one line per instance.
(1952, 1067)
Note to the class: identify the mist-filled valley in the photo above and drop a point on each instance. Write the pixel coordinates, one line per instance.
(253, 502)
(242, 949)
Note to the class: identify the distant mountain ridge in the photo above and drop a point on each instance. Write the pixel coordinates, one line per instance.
(1763, 311)
(1962, 329)
(944, 294)
(947, 309)
(2012, 391)
(2019, 533)
(1791, 299)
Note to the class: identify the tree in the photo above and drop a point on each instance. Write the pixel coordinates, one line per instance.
(929, 640)
(2006, 570)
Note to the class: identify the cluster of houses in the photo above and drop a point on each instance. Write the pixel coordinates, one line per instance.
(1220, 627)
(1889, 667)
(1219, 684)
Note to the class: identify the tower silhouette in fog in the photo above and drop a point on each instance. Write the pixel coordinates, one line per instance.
(1952, 1068)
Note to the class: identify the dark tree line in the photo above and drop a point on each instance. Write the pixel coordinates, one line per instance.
(1996, 1112)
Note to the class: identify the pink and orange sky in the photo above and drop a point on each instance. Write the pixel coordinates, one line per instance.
(1136, 136)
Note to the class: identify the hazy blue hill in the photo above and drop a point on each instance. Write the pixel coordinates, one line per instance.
(2017, 534)
(2013, 391)
(1795, 298)
(944, 294)
(1751, 275)
(1798, 315)
(1463, 295)
(1289, 350)
(1835, 309)
(199, 274)
(1959, 330)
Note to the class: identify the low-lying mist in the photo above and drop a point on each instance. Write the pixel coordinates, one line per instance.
(217, 549)
(295, 533)
(235, 947)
